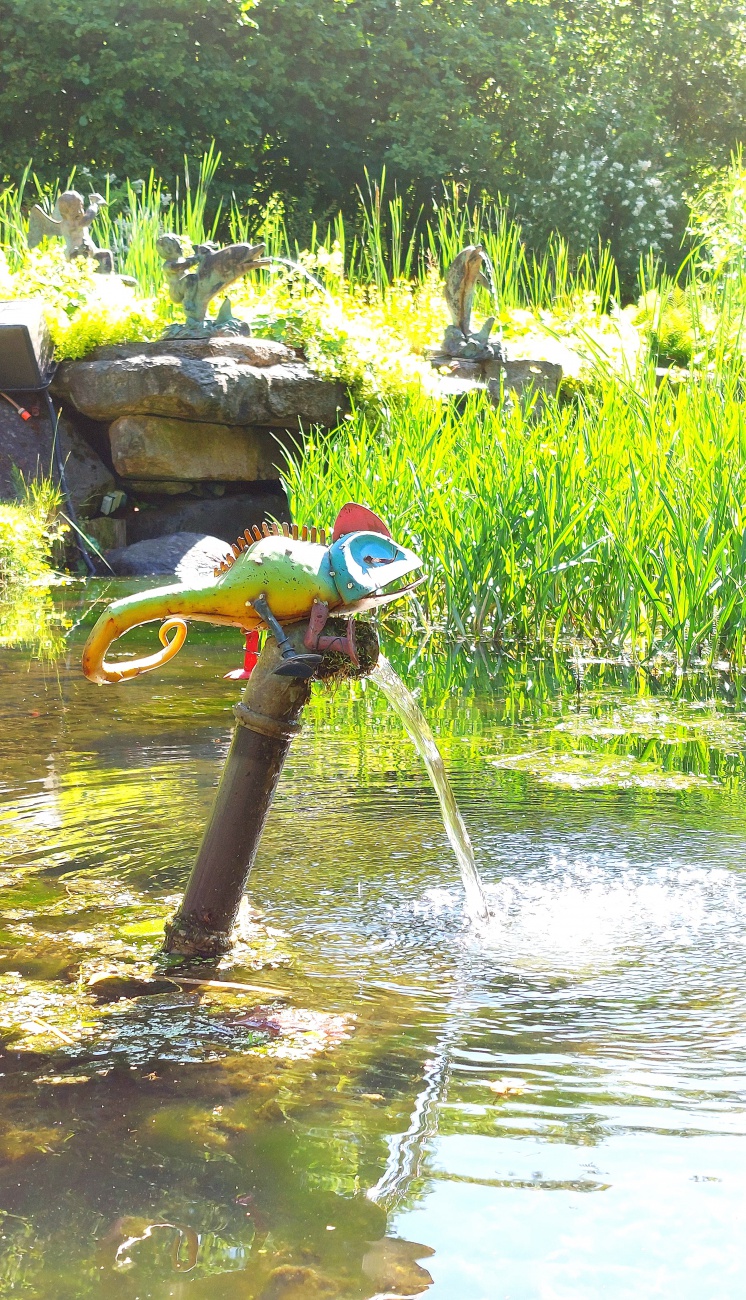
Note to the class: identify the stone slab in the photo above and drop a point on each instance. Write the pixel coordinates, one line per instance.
(212, 389)
(521, 376)
(158, 487)
(189, 556)
(153, 447)
(253, 352)
(457, 368)
(224, 517)
(27, 445)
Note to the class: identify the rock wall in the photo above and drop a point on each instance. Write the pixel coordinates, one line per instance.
(26, 449)
(195, 432)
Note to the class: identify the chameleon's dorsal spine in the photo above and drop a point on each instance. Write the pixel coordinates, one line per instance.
(255, 534)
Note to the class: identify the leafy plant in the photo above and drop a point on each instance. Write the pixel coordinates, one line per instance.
(618, 520)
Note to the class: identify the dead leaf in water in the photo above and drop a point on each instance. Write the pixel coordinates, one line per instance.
(391, 1264)
(507, 1087)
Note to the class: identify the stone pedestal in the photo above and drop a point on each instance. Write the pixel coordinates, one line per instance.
(229, 381)
(499, 378)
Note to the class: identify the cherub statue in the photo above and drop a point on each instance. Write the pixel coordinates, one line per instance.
(70, 221)
(193, 280)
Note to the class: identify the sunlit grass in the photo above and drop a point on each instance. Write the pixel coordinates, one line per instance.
(29, 529)
(618, 520)
(613, 517)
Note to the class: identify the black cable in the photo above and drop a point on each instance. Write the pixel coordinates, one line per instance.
(63, 484)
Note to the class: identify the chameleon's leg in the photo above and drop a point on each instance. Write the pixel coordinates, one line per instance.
(251, 654)
(313, 640)
(293, 665)
(316, 623)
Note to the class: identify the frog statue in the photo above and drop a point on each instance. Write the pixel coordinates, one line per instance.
(274, 575)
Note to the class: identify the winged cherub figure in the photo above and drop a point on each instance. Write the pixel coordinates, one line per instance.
(70, 221)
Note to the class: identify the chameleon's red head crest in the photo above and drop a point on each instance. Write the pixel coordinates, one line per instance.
(353, 518)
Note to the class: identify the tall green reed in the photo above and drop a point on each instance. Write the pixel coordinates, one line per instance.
(382, 244)
(619, 519)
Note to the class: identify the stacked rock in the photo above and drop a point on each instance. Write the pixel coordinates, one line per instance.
(198, 429)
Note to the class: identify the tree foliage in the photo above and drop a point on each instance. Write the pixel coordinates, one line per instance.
(589, 115)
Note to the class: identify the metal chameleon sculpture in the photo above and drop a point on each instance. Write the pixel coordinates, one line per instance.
(274, 575)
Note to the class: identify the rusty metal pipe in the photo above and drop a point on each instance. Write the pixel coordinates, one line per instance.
(267, 718)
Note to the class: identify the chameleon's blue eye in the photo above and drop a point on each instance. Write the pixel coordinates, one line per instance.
(364, 562)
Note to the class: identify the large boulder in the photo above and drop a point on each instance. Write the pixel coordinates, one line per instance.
(85, 473)
(219, 388)
(151, 447)
(224, 517)
(253, 352)
(191, 557)
(26, 446)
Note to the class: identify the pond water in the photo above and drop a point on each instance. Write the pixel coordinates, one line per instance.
(551, 1109)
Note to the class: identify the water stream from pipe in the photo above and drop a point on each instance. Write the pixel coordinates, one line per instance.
(418, 730)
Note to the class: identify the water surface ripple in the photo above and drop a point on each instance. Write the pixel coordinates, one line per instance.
(555, 1105)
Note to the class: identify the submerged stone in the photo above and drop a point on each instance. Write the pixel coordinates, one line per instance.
(110, 988)
(391, 1264)
(293, 1282)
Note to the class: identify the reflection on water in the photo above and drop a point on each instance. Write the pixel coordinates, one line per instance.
(555, 1108)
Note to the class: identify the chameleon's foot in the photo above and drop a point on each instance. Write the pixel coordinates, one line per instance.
(298, 666)
(293, 664)
(313, 640)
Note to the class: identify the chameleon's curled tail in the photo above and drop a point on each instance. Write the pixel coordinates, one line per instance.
(169, 606)
(105, 632)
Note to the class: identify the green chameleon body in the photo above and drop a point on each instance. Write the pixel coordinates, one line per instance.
(292, 573)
